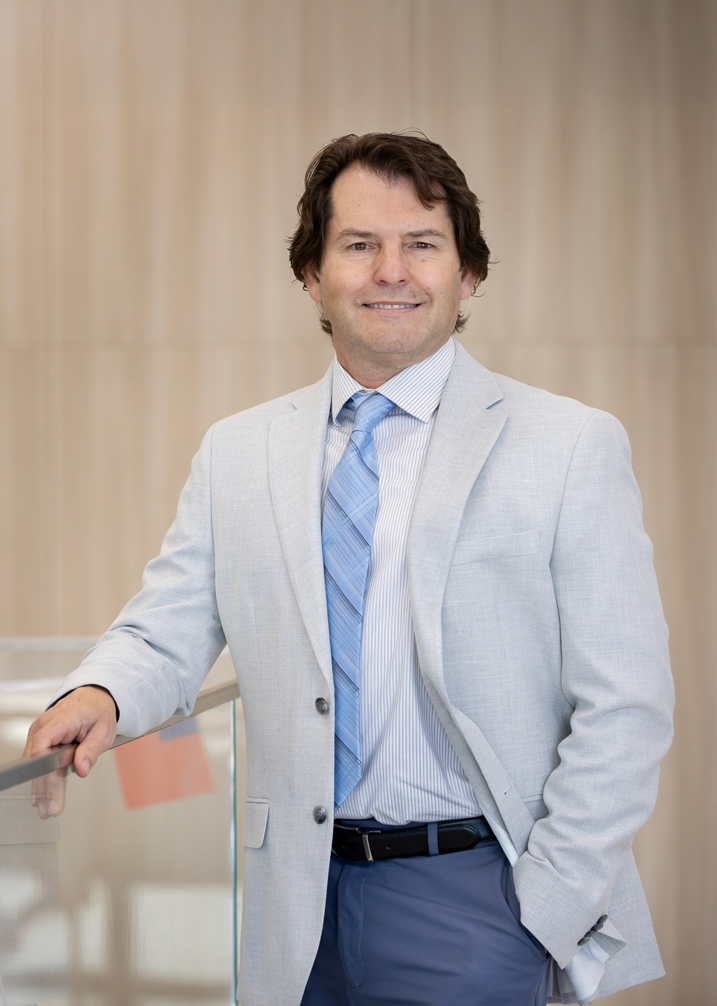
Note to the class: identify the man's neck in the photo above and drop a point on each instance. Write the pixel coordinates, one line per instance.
(372, 371)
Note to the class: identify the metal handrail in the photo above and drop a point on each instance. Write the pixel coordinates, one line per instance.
(27, 768)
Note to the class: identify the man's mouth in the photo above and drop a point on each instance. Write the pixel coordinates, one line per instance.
(390, 306)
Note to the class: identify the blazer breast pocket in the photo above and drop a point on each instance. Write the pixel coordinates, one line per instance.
(256, 815)
(503, 546)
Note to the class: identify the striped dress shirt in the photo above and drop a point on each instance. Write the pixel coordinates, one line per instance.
(410, 770)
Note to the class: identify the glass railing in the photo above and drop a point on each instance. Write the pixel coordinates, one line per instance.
(132, 895)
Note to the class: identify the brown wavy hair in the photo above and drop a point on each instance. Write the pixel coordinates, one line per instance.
(436, 178)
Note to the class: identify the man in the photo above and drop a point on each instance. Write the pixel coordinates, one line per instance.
(440, 602)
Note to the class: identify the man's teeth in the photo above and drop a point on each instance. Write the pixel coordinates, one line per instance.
(394, 307)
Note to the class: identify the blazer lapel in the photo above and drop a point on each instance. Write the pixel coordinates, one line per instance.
(463, 436)
(296, 455)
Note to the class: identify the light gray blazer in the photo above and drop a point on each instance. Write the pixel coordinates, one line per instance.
(540, 637)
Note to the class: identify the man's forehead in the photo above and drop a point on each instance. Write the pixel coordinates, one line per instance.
(362, 199)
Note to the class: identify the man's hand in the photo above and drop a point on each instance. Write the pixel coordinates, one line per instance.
(87, 715)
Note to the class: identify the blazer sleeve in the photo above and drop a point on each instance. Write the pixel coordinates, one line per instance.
(154, 657)
(616, 677)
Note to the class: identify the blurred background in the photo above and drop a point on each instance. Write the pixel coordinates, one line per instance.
(151, 157)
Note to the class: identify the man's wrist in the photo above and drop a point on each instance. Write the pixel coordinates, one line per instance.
(80, 688)
(108, 692)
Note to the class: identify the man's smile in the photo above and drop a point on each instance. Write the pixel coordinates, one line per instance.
(391, 306)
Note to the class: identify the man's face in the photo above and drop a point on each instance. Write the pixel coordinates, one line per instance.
(390, 280)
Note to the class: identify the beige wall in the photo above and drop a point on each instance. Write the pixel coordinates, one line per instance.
(151, 156)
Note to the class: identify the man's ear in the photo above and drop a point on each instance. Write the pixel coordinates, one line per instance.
(468, 282)
(312, 282)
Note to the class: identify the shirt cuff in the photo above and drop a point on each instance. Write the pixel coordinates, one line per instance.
(586, 969)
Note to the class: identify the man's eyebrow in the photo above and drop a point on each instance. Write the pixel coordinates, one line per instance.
(365, 235)
(351, 233)
(425, 234)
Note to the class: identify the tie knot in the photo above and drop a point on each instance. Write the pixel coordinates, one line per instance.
(370, 410)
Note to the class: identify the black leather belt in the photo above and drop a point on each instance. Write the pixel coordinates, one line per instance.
(368, 844)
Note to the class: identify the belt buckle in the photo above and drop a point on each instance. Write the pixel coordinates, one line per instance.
(366, 844)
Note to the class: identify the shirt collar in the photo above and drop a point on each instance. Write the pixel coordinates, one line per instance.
(417, 389)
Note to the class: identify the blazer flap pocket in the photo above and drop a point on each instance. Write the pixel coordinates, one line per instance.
(256, 814)
(503, 546)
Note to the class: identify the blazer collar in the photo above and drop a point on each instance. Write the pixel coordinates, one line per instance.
(464, 434)
(297, 441)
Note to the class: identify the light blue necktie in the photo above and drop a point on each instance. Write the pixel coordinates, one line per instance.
(346, 534)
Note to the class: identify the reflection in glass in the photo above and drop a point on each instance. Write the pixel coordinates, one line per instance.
(34, 930)
(118, 901)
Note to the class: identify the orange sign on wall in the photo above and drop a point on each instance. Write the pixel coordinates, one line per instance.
(168, 765)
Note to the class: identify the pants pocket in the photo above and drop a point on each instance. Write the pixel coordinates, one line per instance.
(350, 922)
(514, 905)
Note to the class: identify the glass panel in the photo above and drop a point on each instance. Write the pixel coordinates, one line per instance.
(127, 896)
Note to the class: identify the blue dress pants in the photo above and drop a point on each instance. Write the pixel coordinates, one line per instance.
(426, 931)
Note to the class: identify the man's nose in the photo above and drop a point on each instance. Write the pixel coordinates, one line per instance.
(391, 267)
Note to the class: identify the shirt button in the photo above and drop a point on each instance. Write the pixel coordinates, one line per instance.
(322, 706)
(320, 814)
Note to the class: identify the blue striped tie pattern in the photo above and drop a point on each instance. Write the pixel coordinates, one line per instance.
(346, 534)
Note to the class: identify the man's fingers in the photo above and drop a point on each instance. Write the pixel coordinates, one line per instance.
(64, 727)
(48, 731)
(87, 716)
(48, 794)
(98, 740)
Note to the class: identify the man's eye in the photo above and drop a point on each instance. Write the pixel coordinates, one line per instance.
(359, 246)
(422, 244)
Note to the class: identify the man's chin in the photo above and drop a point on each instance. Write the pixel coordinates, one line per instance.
(392, 337)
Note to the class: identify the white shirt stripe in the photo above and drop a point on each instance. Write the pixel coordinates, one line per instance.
(410, 770)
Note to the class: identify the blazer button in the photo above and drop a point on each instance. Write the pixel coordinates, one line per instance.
(320, 814)
(322, 706)
(584, 940)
